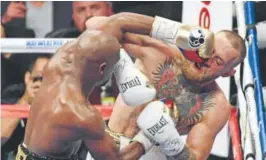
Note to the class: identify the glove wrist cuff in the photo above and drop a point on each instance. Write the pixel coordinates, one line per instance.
(165, 29)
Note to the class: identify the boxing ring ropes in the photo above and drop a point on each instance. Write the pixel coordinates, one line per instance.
(250, 145)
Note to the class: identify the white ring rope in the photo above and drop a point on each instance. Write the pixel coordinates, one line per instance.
(50, 45)
(31, 45)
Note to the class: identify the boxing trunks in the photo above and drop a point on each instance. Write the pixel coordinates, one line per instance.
(26, 154)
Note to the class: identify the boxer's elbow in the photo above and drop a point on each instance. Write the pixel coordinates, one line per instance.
(189, 153)
(200, 155)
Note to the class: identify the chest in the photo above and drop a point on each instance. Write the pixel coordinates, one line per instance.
(187, 104)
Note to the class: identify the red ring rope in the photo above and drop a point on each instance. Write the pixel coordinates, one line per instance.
(235, 135)
(22, 111)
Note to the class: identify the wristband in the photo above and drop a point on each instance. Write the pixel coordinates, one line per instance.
(165, 29)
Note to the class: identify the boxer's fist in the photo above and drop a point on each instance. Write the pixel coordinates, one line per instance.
(94, 20)
(132, 84)
(196, 43)
(159, 127)
(146, 143)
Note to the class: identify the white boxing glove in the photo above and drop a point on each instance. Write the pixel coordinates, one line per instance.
(160, 127)
(132, 84)
(187, 37)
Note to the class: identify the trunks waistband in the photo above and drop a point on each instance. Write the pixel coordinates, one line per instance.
(25, 154)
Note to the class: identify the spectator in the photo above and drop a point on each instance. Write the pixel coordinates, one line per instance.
(15, 10)
(81, 11)
(3, 34)
(37, 14)
(12, 131)
(12, 66)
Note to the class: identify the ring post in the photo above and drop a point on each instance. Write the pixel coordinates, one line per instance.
(254, 62)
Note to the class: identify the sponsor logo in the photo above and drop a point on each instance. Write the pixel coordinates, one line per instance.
(44, 43)
(196, 38)
(204, 16)
(129, 84)
(154, 129)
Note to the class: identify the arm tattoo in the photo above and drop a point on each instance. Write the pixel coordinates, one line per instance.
(186, 154)
(172, 84)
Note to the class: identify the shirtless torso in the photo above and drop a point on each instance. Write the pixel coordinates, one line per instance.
(60, 116)
(191, 103)
(179, 80)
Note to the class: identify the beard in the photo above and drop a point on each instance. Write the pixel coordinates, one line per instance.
(196, 76)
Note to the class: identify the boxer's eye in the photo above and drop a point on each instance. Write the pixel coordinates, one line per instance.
(37, 78)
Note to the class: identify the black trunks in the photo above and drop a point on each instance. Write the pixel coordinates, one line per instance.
(25, 154)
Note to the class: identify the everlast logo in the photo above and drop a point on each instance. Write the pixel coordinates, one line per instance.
(132, 83)
(154, 129)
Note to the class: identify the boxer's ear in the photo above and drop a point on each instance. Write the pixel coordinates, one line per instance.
(27, 78)
(102, 67)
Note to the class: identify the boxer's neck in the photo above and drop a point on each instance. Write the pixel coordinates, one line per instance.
(84, 83)
(74, 90)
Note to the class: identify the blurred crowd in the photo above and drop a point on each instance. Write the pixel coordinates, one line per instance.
(21, 74)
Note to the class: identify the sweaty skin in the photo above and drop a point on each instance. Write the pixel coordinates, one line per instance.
(60, 116)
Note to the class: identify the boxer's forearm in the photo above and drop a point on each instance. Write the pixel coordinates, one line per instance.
(134, 23)
(120, 23)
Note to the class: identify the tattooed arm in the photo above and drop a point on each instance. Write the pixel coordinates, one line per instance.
(201, 137)
(136, 45)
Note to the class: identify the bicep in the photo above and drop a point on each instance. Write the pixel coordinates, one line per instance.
(200, 141)
(202, 135)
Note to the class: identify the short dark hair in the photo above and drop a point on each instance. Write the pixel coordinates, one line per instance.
(12, 93)
(41, 55)
(238, 43)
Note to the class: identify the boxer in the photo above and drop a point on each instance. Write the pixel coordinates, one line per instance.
(200, 108)
(60, 117)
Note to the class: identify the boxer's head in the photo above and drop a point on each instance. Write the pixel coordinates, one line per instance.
(83, 10)
(97, 71)
(229, 51)
(95, 56)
